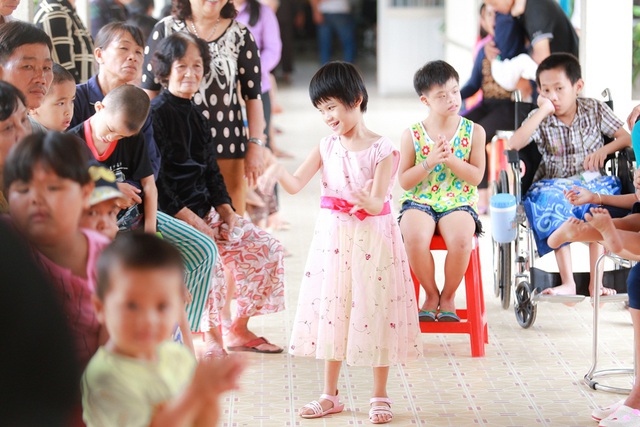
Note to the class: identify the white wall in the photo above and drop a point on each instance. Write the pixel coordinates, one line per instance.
(408, 37)
(606, 49)
(461, 32)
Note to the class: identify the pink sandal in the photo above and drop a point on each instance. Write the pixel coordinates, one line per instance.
(316, 407)
(377, 410)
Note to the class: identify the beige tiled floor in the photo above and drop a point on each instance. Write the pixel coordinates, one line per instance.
(528, 377)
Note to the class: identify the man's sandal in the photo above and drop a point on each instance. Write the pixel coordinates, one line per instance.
(316, 407)
(380, 409)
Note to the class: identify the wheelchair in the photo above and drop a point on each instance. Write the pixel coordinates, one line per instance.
(515, 275)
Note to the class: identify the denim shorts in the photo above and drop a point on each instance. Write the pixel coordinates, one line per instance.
(410, 204)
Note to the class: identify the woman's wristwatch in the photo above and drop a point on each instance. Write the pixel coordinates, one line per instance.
(257, 141)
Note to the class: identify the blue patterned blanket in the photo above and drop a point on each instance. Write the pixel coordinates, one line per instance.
(547, 208)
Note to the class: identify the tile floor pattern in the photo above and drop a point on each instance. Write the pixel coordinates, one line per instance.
(527, 378)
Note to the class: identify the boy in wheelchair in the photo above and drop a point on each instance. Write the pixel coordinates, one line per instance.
(568, 133)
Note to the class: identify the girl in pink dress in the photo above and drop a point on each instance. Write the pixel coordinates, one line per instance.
(357, 302)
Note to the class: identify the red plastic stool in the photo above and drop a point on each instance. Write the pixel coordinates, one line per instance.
(473, 318)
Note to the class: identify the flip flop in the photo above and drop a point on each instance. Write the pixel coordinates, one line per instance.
(253, 346)
(427, 315)
(447, 316)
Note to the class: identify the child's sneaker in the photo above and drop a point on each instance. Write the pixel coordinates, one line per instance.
(624, 416)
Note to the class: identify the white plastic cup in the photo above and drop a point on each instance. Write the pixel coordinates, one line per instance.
(503, 217)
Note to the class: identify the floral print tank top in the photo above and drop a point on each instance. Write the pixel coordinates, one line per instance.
(442, 189)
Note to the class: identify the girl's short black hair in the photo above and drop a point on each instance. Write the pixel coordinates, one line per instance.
(9, 97)
(181, 9)
(114, 30)
(433, 73)
(63, 153)
(174, 48)
(341, 81)
(561, 61)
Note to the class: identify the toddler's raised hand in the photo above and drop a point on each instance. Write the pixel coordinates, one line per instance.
(216, 376)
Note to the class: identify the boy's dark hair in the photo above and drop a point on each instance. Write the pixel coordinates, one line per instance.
(433, 73)
(9, 96)
(174, 48)
(339, 80)
(14, 34)
(61, 75)
(113, 30)
(64, 154)
(139, 251)
(132, 102)
(562, 61)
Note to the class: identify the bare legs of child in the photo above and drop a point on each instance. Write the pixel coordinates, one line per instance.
(380, 405)
(417, 229)
(619, 235)
(456, 229)
(565, 268)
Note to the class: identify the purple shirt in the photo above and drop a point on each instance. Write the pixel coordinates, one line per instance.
(266, 32)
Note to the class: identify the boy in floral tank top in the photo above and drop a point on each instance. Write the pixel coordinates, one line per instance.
(441, 163)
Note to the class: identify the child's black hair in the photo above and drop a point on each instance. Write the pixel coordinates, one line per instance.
(138, 251)
(64, 154)
(433, 73)
(339, 80)
(61, 74)
(9, 97)
(132, 102)
(561, 61)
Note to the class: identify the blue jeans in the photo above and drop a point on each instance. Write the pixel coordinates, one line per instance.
(344, 25)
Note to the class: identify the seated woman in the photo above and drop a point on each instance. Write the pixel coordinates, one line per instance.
(119, 51)
(191, 188)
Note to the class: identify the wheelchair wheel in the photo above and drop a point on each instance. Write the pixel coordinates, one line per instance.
(502, 254)
(523, 305)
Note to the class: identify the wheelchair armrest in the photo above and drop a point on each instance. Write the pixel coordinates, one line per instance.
(512, 156)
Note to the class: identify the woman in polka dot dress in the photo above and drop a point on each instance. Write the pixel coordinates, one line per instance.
(234, 59)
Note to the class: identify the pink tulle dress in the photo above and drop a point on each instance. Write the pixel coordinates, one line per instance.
(357, 302)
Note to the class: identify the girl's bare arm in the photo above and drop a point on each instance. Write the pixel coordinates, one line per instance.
(295, 182)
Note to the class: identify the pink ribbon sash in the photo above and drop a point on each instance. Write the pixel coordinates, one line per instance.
(341, 205)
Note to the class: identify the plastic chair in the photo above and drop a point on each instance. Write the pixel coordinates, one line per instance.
(473, 318)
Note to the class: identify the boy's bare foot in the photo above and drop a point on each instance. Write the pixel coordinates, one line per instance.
(564, 289)
(568, 231)
(431, 303)
(600, 219)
